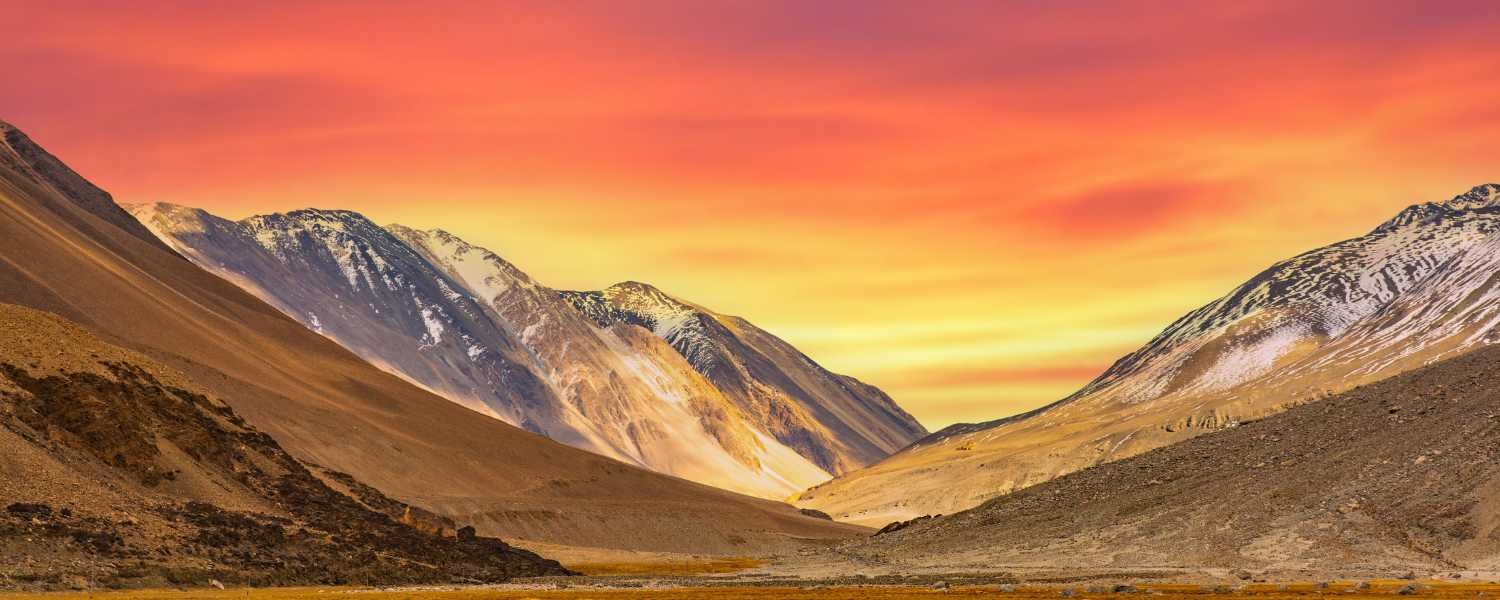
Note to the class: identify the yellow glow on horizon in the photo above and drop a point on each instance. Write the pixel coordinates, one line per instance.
(976, 209)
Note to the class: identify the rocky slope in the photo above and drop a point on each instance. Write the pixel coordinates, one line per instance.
(1398, 475)
(836, 421)
(1417, 289)
(632, 392)
(464, 322)
(350, 280)
(325, 406)
(179, 489)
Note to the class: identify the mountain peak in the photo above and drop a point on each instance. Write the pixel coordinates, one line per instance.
(647, 298)
(327, 213)
(634, 287)
(1482, 196)
(158, 215)
(159, 206)
(333, 218)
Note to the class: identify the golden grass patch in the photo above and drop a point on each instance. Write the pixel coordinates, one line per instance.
(712, 566)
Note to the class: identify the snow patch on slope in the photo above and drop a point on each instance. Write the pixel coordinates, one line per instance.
(434, 334)
(1248, 359)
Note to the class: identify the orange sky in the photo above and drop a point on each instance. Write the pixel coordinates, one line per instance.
(975, 206)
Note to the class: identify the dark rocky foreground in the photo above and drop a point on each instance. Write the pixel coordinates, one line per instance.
(116, 473)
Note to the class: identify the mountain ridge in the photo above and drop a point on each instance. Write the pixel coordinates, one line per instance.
(617, 387)
(726, 351)
(26, 155)
(1302, 329)
(326, 406)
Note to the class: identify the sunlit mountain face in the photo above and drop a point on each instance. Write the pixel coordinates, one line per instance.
(975, 208)
(628, 372)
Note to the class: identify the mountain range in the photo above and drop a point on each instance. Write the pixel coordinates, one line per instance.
(70, 252)
(312, 398)
(1417, 289)
(628, 372)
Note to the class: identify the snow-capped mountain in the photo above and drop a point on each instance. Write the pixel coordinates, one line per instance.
(1418, 288)
(469, 325)
(1329, 295)
(349, 279)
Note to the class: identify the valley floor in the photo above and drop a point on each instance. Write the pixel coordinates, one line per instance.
(667, 588)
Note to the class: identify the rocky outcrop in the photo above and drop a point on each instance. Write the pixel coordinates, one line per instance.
(415, 517)
(201, 495)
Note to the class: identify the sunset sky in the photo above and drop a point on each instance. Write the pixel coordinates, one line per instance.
(975, 206)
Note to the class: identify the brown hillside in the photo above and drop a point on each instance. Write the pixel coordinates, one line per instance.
(119, 471)
(1399, 474)
(327, 407)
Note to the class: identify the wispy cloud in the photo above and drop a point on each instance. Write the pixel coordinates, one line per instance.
(1060, 180)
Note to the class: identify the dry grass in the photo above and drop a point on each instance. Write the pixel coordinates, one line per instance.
(717, 593)
(714, 566)
(1306, 591)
